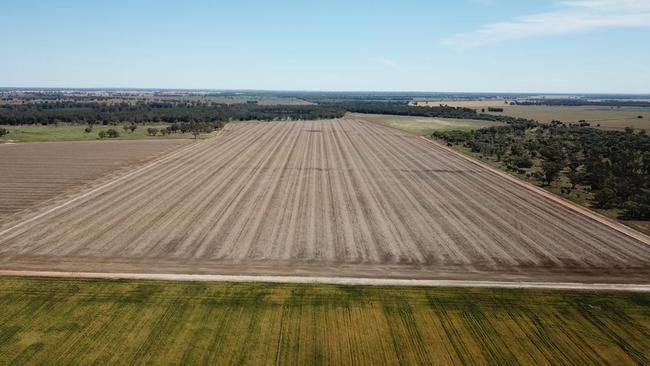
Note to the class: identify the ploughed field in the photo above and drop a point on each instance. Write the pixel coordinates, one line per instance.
(336, 198)
(32, 173)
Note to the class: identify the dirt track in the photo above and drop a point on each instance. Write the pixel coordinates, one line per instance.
(324, 198)
(351, 281)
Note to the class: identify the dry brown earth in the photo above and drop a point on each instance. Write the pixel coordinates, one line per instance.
(31, 173)
(324, 198)
(602, 116)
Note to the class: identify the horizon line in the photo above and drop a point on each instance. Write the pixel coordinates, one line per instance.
(384, 91)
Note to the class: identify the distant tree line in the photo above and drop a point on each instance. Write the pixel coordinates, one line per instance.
(174, 112)
(142, 112)
(613, 165)
(404, 109)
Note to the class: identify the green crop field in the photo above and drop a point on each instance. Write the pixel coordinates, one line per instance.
(72, 321)
(424, 126)
(66, 132)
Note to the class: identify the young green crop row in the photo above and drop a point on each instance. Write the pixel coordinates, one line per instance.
(55, 321)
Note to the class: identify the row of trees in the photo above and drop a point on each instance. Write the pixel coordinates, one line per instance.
(194, 128)
(613, 165)
(404, 109)
(109, 114)
(156, 112)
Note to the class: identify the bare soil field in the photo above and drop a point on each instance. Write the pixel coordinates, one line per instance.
(607, 117)
(324, 198)
(31, 173)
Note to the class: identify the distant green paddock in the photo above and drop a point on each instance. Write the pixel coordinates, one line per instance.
(423, 126)
(70, 132)
(111, 322)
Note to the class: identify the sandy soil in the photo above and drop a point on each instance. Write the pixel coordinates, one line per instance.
(606, 117)
(341, 198)
(32, 173)
(352, 281)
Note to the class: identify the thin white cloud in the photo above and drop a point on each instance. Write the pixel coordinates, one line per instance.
(387, 62)
(568, 17)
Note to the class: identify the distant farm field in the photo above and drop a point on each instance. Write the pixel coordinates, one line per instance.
(33, 173)
(69, 132)
(323, 198)
(423, 126)
(51, 321)
(606, 117)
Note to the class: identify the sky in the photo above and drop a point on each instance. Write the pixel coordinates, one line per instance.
(549, 46)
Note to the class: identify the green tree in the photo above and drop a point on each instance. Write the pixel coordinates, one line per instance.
(551, 170)
(552, 152)
(112, 133)
(605, 198)
(522, 162)
(639, 207)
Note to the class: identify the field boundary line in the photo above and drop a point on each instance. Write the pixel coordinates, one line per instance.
(353, 281)
(83, 195)
(551, 196)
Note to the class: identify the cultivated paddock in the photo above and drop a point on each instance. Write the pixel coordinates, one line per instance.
(32, 173)
(323, 198)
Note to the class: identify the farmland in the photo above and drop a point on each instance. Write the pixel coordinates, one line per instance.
(336, 197)
(16, 97)
(75, 132)
(606, 117)
(54, 321)
(33, 173)
(423, 126)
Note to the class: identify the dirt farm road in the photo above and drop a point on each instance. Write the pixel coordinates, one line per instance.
(352, 281)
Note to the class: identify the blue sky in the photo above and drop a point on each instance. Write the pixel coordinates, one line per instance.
(465, 45)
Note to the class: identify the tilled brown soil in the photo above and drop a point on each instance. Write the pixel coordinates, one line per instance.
(31, 173)
(338, 198)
